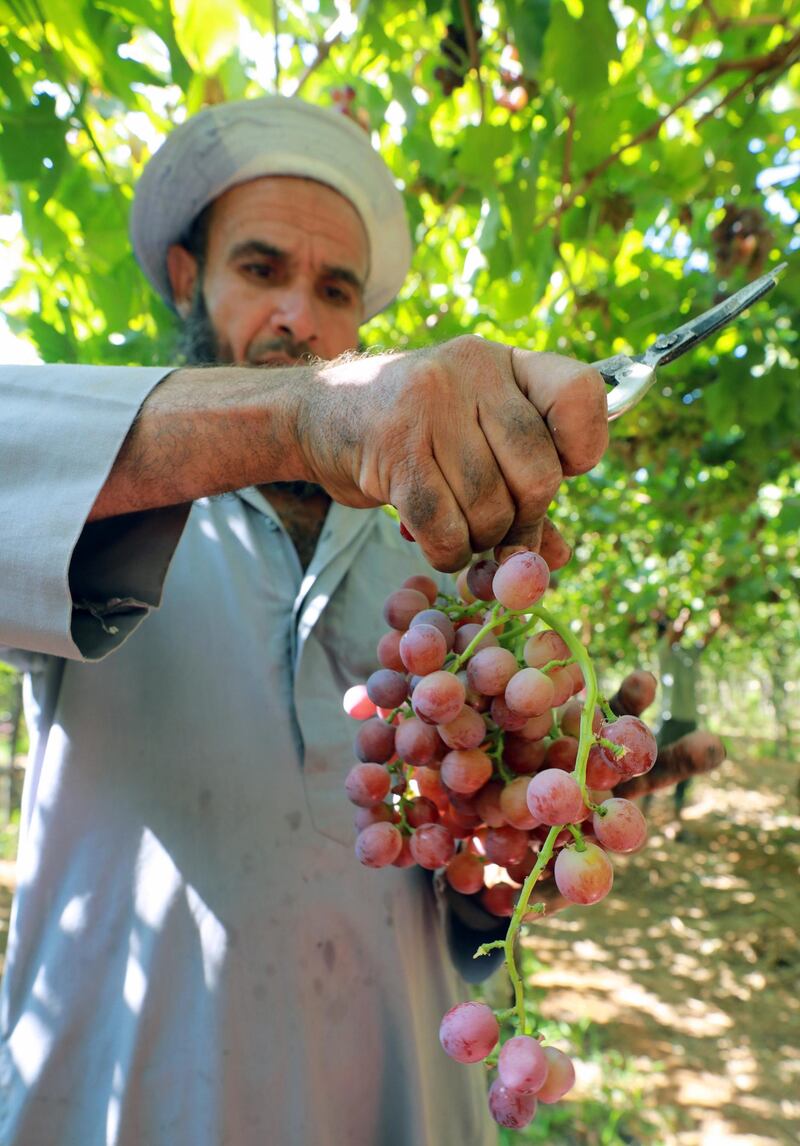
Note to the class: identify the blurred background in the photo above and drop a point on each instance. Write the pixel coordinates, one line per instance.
(580, 176)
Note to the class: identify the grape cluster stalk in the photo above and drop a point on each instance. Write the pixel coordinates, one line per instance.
(478, 757)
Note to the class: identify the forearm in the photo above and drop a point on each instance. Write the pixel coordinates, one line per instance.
(206, 431)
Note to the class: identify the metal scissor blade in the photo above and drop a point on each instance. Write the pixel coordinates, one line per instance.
(668, 347)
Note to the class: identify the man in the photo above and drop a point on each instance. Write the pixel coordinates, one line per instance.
(195, 955)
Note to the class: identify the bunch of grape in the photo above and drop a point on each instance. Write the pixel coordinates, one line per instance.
(477, 757)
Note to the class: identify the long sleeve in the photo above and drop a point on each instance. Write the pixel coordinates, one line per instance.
(67, 588)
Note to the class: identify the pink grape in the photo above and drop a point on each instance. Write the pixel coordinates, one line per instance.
(421, 811)
(469, 1032)
(599, 773)
(487, 804)
(583, 876)
(544, 647)
(378, 813)
(404, 858)
(505, 717)
(523, 756)
(401, 606)
(432, 846)
(429, 784)
(439, 697)
(506, 845)
(389, 651)
(479, 579)
(537, 727)
(423, 649)
(514, 804)
(375, 741)
(416, 742)
(521, 580)
(357, 703)
(490, 670)
(466, 635)
(560, 1076)
(462, 588)
(570, 718)
(387, 688)
(522, 1065)
(378, 845)
(500, 899)
(464, 873)
(440, 621)
(623, 827)
(529, 692)
(554, 797)
(563, 685)
(423, 584)
(367, 785)
(509, 1108)
(562, 753)
(639, 744)
(519, 872)
(468, 730)
(466, 770)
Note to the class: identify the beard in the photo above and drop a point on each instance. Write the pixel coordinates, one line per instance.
(198, 345)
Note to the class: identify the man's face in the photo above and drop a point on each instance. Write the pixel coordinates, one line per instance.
(282, 279)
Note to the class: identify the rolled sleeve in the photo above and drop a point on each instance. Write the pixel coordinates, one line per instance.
(67, 588)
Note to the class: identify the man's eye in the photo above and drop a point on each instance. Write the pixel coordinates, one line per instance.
(260, 270)
(337, 294)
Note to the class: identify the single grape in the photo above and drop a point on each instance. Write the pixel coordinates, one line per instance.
(506, 845)
(378, 845)
(509, 1108)
(490, 670)
(622, 828)
(467, 634)
(439, 697)
(562, 753)
(521, 580)
(469, 1032)
(544, 647)
(504, 717)
(387, 688)
(519, 872)
(599, 773)
(560, 1076)
(514, 804)
(554, 797)
(529, 692)
(563, 684)
(479, 579)
(389, 651)
(639, 744)
(464, 873)
(421, 811)
(570, 718)
(401, 606)
(375, 741)
(423, 649)
(537, 727)
(432, 846)
(367, 784)
(523, 756)
(487, 804)
(583, 876)
(429, 783)
(440, 621)
(463, 589)
(416, 742)
(378, 813)
(500, 899)
(357, 703)
(404, 858)
(468, 730)
(466, 770)
(423, 584)
(522, 1065)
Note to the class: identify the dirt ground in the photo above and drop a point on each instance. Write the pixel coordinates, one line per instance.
(691, 968)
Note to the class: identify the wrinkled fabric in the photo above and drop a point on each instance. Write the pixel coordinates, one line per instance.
(195, 955)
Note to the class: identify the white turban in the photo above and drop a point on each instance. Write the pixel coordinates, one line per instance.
(231, 143)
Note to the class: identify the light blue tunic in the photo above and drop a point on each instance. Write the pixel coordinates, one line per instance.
(195, 955)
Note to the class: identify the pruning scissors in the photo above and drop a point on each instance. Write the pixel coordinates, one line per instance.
(632, 377)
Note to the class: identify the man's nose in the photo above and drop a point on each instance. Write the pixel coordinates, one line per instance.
(295, 315)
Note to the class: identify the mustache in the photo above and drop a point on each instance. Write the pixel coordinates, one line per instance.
(263, 348)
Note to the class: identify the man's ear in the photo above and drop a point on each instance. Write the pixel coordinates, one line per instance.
(182, 270)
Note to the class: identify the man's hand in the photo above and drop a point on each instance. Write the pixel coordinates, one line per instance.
(468, 440)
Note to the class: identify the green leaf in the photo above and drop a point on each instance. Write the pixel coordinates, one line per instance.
(578, 51)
